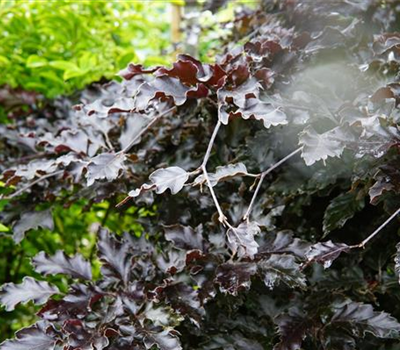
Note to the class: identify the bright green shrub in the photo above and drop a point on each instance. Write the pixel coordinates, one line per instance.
(55, 47)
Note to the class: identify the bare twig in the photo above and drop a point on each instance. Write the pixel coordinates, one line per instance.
(210, 144)
(263, 175)
(222, 218)
(379, 229)
(23, 189)
(148, 126)
(355, 246)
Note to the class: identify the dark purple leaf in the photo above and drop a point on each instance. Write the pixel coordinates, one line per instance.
(32, 221)
(165, 340)
(281, 268)
(321, 146)
(30, 338)
(30, 289)
(265, 112)
(162, 87)
(76, 267)
(292, 329)
(172, 178)
(115, 256)
(325, 252)
(185, 237)
(362, 319)
(105, 166)
(223, 173)
(241, 239)
(235, 277)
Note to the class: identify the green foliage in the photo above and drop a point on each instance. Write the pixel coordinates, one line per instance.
(56, 47)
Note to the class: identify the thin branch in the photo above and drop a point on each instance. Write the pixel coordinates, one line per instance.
(380, 228)
(355, 246)
(222, 218)
(263, 175)
(210, 144)
(148, 126)
(23, 189)
(108, 142)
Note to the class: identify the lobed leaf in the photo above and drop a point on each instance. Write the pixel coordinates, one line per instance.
(30, 289)
(76, 267)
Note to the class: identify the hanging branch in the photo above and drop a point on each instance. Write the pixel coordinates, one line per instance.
(262, 176)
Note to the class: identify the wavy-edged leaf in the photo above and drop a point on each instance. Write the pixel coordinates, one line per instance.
(321, 146)
(222, 173)
(162, 87)
(30, 289)
(165, 340)
(241, 239)
(325, 252)
(60, 263)
(292, 326)
(32, 221)
(262, 111)
(185, 237)
(362, 319)
(172, 178)
(283, 242)
(30, 338)
(134, 124)
(340, 210)
(235, 277)
(115, 256)
(281, 268)
(105, 166)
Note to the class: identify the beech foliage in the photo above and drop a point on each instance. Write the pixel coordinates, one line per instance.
(268, 169)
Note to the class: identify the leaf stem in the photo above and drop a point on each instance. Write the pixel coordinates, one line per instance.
(263, 175)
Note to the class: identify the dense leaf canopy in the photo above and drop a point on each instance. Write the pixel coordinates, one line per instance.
(262, 173)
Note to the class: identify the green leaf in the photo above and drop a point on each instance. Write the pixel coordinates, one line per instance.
(69, 74)
(3, 228)
(64, 65)
(35, 61)
(340, 210)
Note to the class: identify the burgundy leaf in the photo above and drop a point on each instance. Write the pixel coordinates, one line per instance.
(223, 173)
(235, 277)
(32, 220)
(115, 256)
(165, 340)
(325, 252)
(162, 87)
(30, 338)
(292, 329)
(30, 289)
(76, 267)
(105, 166)
(185, 237)
(135, 69)
(241, 239)
(281, 268)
